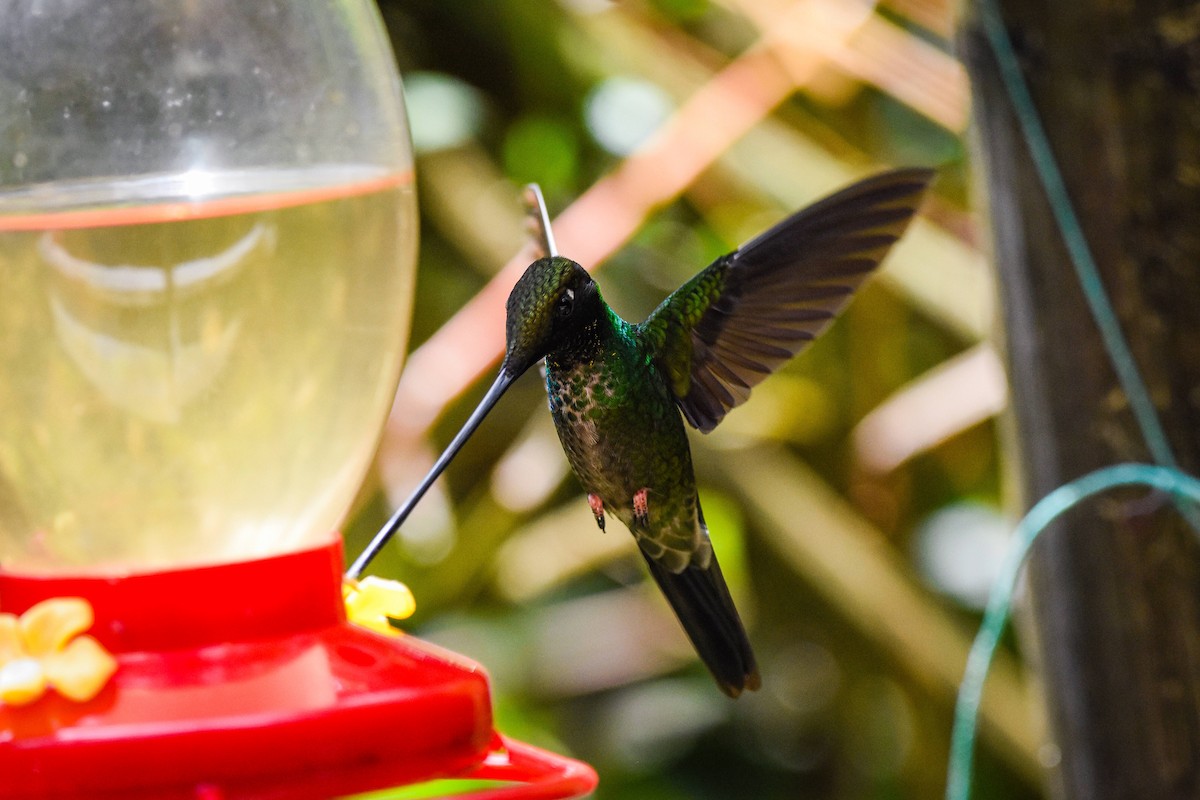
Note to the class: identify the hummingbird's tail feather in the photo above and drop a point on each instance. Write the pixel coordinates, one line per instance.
(703, 605)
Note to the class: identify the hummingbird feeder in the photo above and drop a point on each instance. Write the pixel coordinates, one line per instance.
(207, 244)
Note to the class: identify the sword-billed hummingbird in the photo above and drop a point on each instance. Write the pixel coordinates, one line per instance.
(617, 390)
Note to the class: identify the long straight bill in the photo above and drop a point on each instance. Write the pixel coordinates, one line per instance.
(503, 381)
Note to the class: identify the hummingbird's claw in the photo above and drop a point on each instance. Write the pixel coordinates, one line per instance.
(641, 508)
(597, 506)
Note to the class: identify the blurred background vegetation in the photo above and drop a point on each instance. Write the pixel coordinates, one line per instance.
(856, 501)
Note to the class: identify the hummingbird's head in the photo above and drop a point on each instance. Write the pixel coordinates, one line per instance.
(547, 309)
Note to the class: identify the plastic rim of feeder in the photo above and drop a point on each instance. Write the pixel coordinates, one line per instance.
(245, 680)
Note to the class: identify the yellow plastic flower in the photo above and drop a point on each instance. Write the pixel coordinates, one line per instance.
(44, 648)
(373, 601)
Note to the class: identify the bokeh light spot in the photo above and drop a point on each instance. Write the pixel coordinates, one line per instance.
(622, 113)
(444, 111)
(959, 549)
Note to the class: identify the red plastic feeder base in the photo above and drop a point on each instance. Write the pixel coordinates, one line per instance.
(246, 681)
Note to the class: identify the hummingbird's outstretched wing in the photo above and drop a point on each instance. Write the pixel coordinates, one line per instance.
(748, 312)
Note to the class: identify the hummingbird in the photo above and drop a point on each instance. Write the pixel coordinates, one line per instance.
(620, 393)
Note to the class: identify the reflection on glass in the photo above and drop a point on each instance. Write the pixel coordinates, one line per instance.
(198, 388)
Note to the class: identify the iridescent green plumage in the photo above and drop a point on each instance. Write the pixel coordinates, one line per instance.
(617, 390)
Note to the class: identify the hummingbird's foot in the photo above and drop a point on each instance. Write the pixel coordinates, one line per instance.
(641, 508)
(597, 509)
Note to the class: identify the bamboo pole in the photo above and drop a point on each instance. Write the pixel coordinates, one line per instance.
(1116, 584)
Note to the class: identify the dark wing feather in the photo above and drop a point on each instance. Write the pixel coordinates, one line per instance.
(748, 312)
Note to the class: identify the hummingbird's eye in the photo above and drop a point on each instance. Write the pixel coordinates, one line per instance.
(566, 301)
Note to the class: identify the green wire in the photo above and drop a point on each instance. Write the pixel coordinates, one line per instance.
(995, 617)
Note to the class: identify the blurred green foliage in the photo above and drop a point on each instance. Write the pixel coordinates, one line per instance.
(585, 658)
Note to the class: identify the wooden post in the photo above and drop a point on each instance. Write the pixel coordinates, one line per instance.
(1116, 584)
